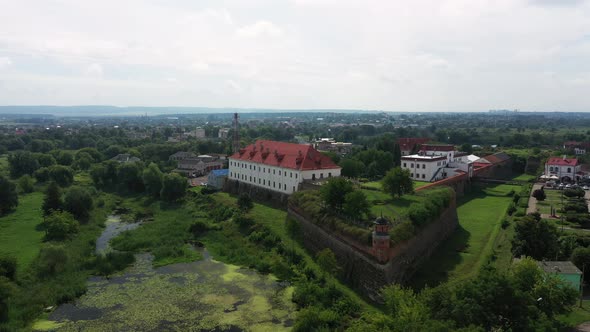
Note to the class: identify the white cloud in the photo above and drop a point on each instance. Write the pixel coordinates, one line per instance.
(5, 62)
(94, 70)
(199, 66)
(260, 28)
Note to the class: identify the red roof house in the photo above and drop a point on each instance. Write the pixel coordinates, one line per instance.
(301, 157)
(557, 161)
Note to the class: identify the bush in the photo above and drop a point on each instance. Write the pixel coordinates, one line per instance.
(245, 202)
(8, 267)
(25, 183)
(60, 226)
(113, 261)
(198, 228)
(574, 192)
(505, 223)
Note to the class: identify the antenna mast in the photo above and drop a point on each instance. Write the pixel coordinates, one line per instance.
(236, 138)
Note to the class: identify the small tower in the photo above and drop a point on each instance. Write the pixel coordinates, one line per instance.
(381, 239)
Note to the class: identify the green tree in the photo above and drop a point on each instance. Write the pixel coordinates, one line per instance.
(397, 182)
(351, 168)
(42, 174)
(53, 259)
(466, 147)
(79, 203)
(52, 200)
(539, 194)
(8, 195)
(581, 258)
(327, 261)
(356, 204)
(64, 158)
(173, 187)
(334, 191)
(397, 155)
(535, 238)
(26, 184)
(45, 160)
(8, 267)
(152, 179)
(130, 175)
(21, 163)
(63, 175)
(7, 291)
(60, 226)
(245, 202)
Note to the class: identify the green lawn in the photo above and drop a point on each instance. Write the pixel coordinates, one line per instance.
(377, 184)
(553, 198)
(578, 315)
(382, 203)
(524, 177)
(18, 233)
(461, 255)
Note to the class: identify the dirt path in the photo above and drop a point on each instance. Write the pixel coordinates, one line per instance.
(533, 201)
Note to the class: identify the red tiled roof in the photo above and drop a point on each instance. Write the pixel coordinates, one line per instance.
(432, 147)
(287, 155)
(407, 144)
(562, 162)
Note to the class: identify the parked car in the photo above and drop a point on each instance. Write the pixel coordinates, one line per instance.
(567, 186)
(585, 187)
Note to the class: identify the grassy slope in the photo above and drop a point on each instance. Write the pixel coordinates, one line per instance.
(275, 220)
(460, 256)
(18, 233)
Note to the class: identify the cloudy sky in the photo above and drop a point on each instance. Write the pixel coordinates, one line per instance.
(459, 55)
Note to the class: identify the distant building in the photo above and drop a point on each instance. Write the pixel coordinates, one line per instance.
(181, 155)
(436, 162)
(565, 270)
(125, 158)
(329, 144)
(579, 148)
(217, 178)
(280, 166)
(198, 166)
(223, 132)
(197, 133)
(408, 145)
(566, 169)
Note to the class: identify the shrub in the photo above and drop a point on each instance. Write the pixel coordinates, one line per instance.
(245, 202)
(505, 223)
(198, 228)
(25, 183)
(574, 192)
(8, 267)
(60, 226)
(112, 262)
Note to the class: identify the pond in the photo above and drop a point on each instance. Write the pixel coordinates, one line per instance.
(205, 295)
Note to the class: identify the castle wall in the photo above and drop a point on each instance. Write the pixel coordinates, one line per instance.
(361, 270)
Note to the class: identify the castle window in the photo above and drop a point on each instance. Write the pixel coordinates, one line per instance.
(423, 176)
(423, 166)
(569, 169)
(405, 165)
(330, 175)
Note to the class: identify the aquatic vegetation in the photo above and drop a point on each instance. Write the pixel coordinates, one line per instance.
(202, 295)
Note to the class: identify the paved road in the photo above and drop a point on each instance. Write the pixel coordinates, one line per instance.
(533, 201)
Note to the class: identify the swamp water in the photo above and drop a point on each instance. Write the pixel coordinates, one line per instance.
(205, 295)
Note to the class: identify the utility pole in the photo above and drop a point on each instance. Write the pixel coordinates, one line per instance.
(582, 284)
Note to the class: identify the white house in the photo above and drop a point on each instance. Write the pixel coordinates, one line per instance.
(566, 169)
(437, 162)
(280, 166)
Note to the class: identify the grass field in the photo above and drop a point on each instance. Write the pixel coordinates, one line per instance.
(578, 315)
(18, 234)
(524, 177)
(382, 203)
(553, 198)
(461, 255)
(377, 184)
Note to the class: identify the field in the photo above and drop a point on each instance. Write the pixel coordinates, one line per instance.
(578, 315)
(460, 256)
(382, 203)
(524, 177)
(553, 198)
(377, 184)
(18, 230)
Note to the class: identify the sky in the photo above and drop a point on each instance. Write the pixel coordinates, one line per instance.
(460, 55)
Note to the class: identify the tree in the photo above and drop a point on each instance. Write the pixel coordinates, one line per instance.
(60, 226)
(581, 258)
(397, 182)
(130, 175)
(466, 147)
(45, 160)
(78, 202)
(52, 201)
(52, 259)
(63, 175)
(327, 261)
(21, 163)
(535, 238)
(397, 155)
(152, 179)
(7, 291)
(334, 191)
(245, 202)
(173, 187)
(356, 204)
(42, 174)
(8, 267)
(539, 194)
(26, 184)
(351, 168)
(8, 195)
(64, 158)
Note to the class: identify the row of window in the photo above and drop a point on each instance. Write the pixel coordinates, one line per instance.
(263, 169)
(556, 169)
(438, 163)
(260, 181)
(418, 175)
